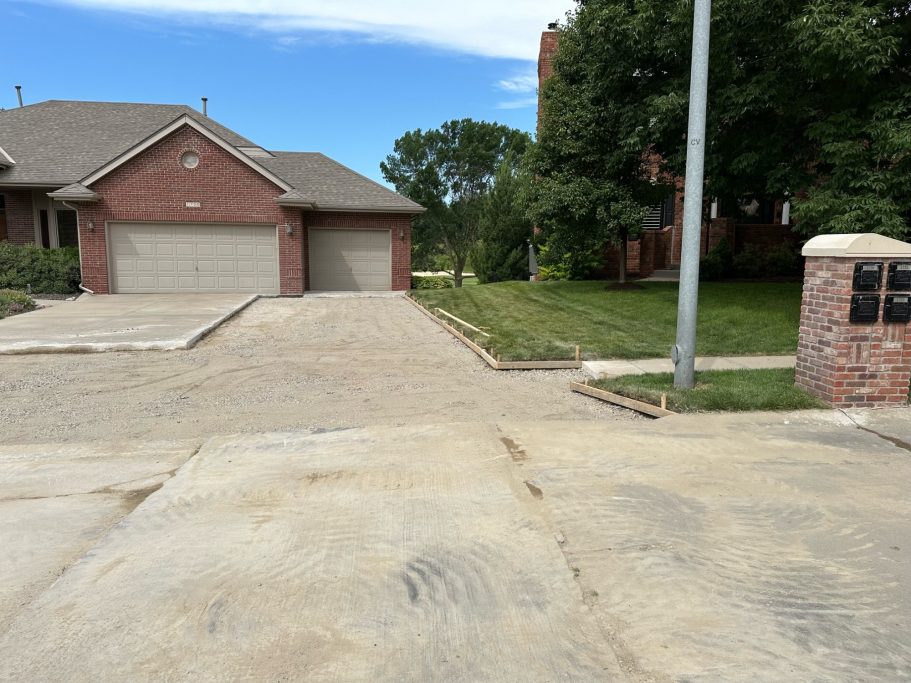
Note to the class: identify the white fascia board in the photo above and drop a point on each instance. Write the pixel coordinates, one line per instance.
(183, 120)
(6, 159)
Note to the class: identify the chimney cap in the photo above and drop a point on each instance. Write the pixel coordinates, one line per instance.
(553, 26)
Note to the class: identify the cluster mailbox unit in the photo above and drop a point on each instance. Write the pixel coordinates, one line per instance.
(868, 277)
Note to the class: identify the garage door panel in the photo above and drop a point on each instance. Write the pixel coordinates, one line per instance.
(204, 258)
(349, 260)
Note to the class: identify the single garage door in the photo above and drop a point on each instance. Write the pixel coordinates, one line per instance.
(350, 260)
(150, 258)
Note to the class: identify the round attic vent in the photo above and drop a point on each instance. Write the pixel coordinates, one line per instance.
(189, 159)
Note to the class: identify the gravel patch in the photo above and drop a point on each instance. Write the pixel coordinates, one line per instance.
(282, 364)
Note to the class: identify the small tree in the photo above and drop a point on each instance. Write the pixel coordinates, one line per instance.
(450, 170)
(501, 252)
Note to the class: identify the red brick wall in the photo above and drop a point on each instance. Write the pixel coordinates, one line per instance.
(848, 364)
(396, 223)
(546, 55)
(155, 187)
(20, 220)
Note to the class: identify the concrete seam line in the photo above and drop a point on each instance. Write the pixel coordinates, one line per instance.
(203, 331)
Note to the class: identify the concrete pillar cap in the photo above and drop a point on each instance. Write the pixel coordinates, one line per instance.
(854, 246)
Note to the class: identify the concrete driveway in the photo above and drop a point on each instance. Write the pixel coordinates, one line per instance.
(699, 548)
(119, 322)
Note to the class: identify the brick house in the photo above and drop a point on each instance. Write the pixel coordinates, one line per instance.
(763, 223)
(162, 198)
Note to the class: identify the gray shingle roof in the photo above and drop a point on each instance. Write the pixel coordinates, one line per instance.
(61, 141)
(75, 191)
(330, 185)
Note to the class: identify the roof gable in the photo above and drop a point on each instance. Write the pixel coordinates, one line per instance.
(163, 133)
(59, 142)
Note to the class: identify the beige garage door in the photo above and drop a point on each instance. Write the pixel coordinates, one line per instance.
(149, 258)
(350, 260)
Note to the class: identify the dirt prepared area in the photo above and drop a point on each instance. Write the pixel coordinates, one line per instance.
(281, 364)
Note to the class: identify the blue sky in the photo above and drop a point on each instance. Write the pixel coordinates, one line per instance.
(343, 77)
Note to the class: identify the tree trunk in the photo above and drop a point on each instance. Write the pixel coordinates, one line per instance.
(458, 265)
(621, 271)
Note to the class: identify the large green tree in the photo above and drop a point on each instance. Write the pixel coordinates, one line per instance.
(807, 98)
(592, 182)
(450, 171)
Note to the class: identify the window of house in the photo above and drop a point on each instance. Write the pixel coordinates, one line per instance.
(66, 229)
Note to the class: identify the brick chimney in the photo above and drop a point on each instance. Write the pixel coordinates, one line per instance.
(546, 60)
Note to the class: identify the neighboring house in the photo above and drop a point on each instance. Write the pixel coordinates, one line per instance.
(762, 223)
(161, 198)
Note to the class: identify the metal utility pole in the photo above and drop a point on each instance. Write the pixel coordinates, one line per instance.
(684, 352)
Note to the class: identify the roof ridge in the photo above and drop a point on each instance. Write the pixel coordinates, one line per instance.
(149, 104)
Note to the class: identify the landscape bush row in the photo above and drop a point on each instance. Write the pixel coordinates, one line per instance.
(45, 271)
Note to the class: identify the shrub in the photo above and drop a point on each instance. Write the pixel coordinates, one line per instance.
(431, 282)
(755, 262)
(12, 302)
(750, 263)
(784, 260)
(717, 264)
(47, 271)
(575, 266)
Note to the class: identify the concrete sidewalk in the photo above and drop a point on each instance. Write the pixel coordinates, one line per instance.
(599, 369)
(120, 322)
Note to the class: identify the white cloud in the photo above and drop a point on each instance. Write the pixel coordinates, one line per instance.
(522, 89)
(490, 28)
(522, 83)
(522, 103)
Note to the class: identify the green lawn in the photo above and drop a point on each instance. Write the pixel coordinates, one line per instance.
(546, 320)
(732, 390)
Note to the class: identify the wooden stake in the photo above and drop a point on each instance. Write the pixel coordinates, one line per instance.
(663, 401)
(578, 353)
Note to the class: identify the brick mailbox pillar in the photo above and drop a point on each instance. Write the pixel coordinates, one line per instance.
(854, 348)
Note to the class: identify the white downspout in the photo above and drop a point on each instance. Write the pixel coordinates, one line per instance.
(78, 245)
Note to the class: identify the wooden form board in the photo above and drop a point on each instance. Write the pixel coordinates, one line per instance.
(617, 399)
(495, 363)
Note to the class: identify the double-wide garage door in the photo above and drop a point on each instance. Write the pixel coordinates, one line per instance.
(350, 260)
(150, 258)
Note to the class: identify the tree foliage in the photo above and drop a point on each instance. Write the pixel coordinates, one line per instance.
(807, 98)
(501, 252)
(450, 171)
